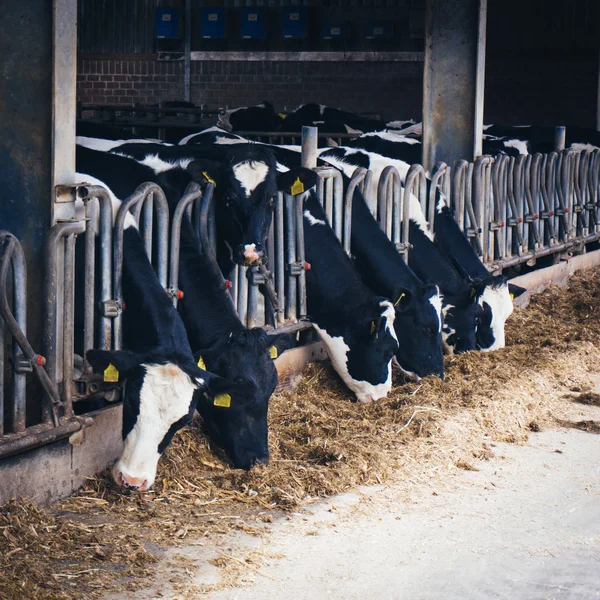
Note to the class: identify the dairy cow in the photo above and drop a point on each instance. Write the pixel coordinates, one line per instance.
(162, 383)
(261, 117)
(236, 422)
(356, 326)
(246, 183)
(418, 307)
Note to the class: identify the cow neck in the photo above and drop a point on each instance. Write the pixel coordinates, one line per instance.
(150, 320)
(332, 282)
(206, 308)
(378, 261)
(452, 240)
(430, 265)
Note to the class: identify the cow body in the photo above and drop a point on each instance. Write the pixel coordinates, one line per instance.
(418, 307)
(161, 381)
(356, 326)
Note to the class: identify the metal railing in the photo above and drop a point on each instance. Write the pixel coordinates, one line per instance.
(55, 420)
(517, 209)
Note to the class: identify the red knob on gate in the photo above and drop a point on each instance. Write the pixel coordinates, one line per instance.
(566, 210)
(123, 305)
(520, 220)
(307, 266)
(552, 213)
(228, 284)
(41, 361)
(179, 294)
(536, 216)
(502, 224)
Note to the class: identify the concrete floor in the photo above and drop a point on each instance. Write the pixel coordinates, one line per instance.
(526, 526)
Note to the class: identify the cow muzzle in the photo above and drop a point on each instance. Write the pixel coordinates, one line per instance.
(250, 255)
(130, 482)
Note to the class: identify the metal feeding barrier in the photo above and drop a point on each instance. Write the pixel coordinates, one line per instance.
(513, 209)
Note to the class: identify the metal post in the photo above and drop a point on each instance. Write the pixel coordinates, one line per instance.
(187, 65)
(560, 136)
(453, 80)
(309, 147)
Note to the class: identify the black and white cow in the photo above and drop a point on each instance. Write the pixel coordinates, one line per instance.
(162, 383)
(261, 117)
(214, 331)
(209, 136)
(226, 347)
(329, 120)
(390, 145)
(246, 183)
(356, 326)
(418, 307)
(494, 295)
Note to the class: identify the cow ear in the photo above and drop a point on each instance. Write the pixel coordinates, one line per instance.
(515, 290)
(114, 365)
(278, 344)
(402, 299)
(296, 181)
(204, 171)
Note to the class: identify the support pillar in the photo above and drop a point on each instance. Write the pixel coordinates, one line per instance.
(453, 80)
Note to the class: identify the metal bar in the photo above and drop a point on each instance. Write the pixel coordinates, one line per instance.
(292, 328)
(40, 435)
(50, 330)
(280, 257)
(192, 192)
(187, 65)
(301, 257)
(309, 147)
(91, 210)
(68, 325)
(1, 376)
(560, 136)
(290, 237)
(357, 177)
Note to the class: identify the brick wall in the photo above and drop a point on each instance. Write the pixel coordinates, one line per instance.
(392, 88)
(518, 90)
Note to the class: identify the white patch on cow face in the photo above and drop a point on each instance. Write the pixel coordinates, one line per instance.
(416, 215)
(313, 220)
(250, 174)
(498, 299)
(520, 145)
(436, 302)
(337, 349)
(116, 203)
(165, 398)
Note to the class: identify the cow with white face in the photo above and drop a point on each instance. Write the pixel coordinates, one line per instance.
(161, 381)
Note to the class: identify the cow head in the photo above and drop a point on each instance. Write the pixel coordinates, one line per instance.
(495, 298)
(261, 117)
(238, 422)
(461, 313)
(247, 182)
(158, 400)
(361, 343)
(418, 326)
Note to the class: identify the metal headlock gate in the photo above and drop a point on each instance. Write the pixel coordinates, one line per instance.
(513, 210)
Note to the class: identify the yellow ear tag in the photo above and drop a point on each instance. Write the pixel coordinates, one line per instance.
(298, 187)
(273, 352)
(372, 327)
(283, 116)
(209, 178)
(400, 298)
(473, 293)
(111, 375)
(512, 296)
(201, 363)
(223, 400)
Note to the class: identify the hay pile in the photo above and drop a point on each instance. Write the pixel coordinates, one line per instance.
(321, 444)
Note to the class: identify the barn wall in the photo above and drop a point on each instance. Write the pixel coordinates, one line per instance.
(390, 88)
